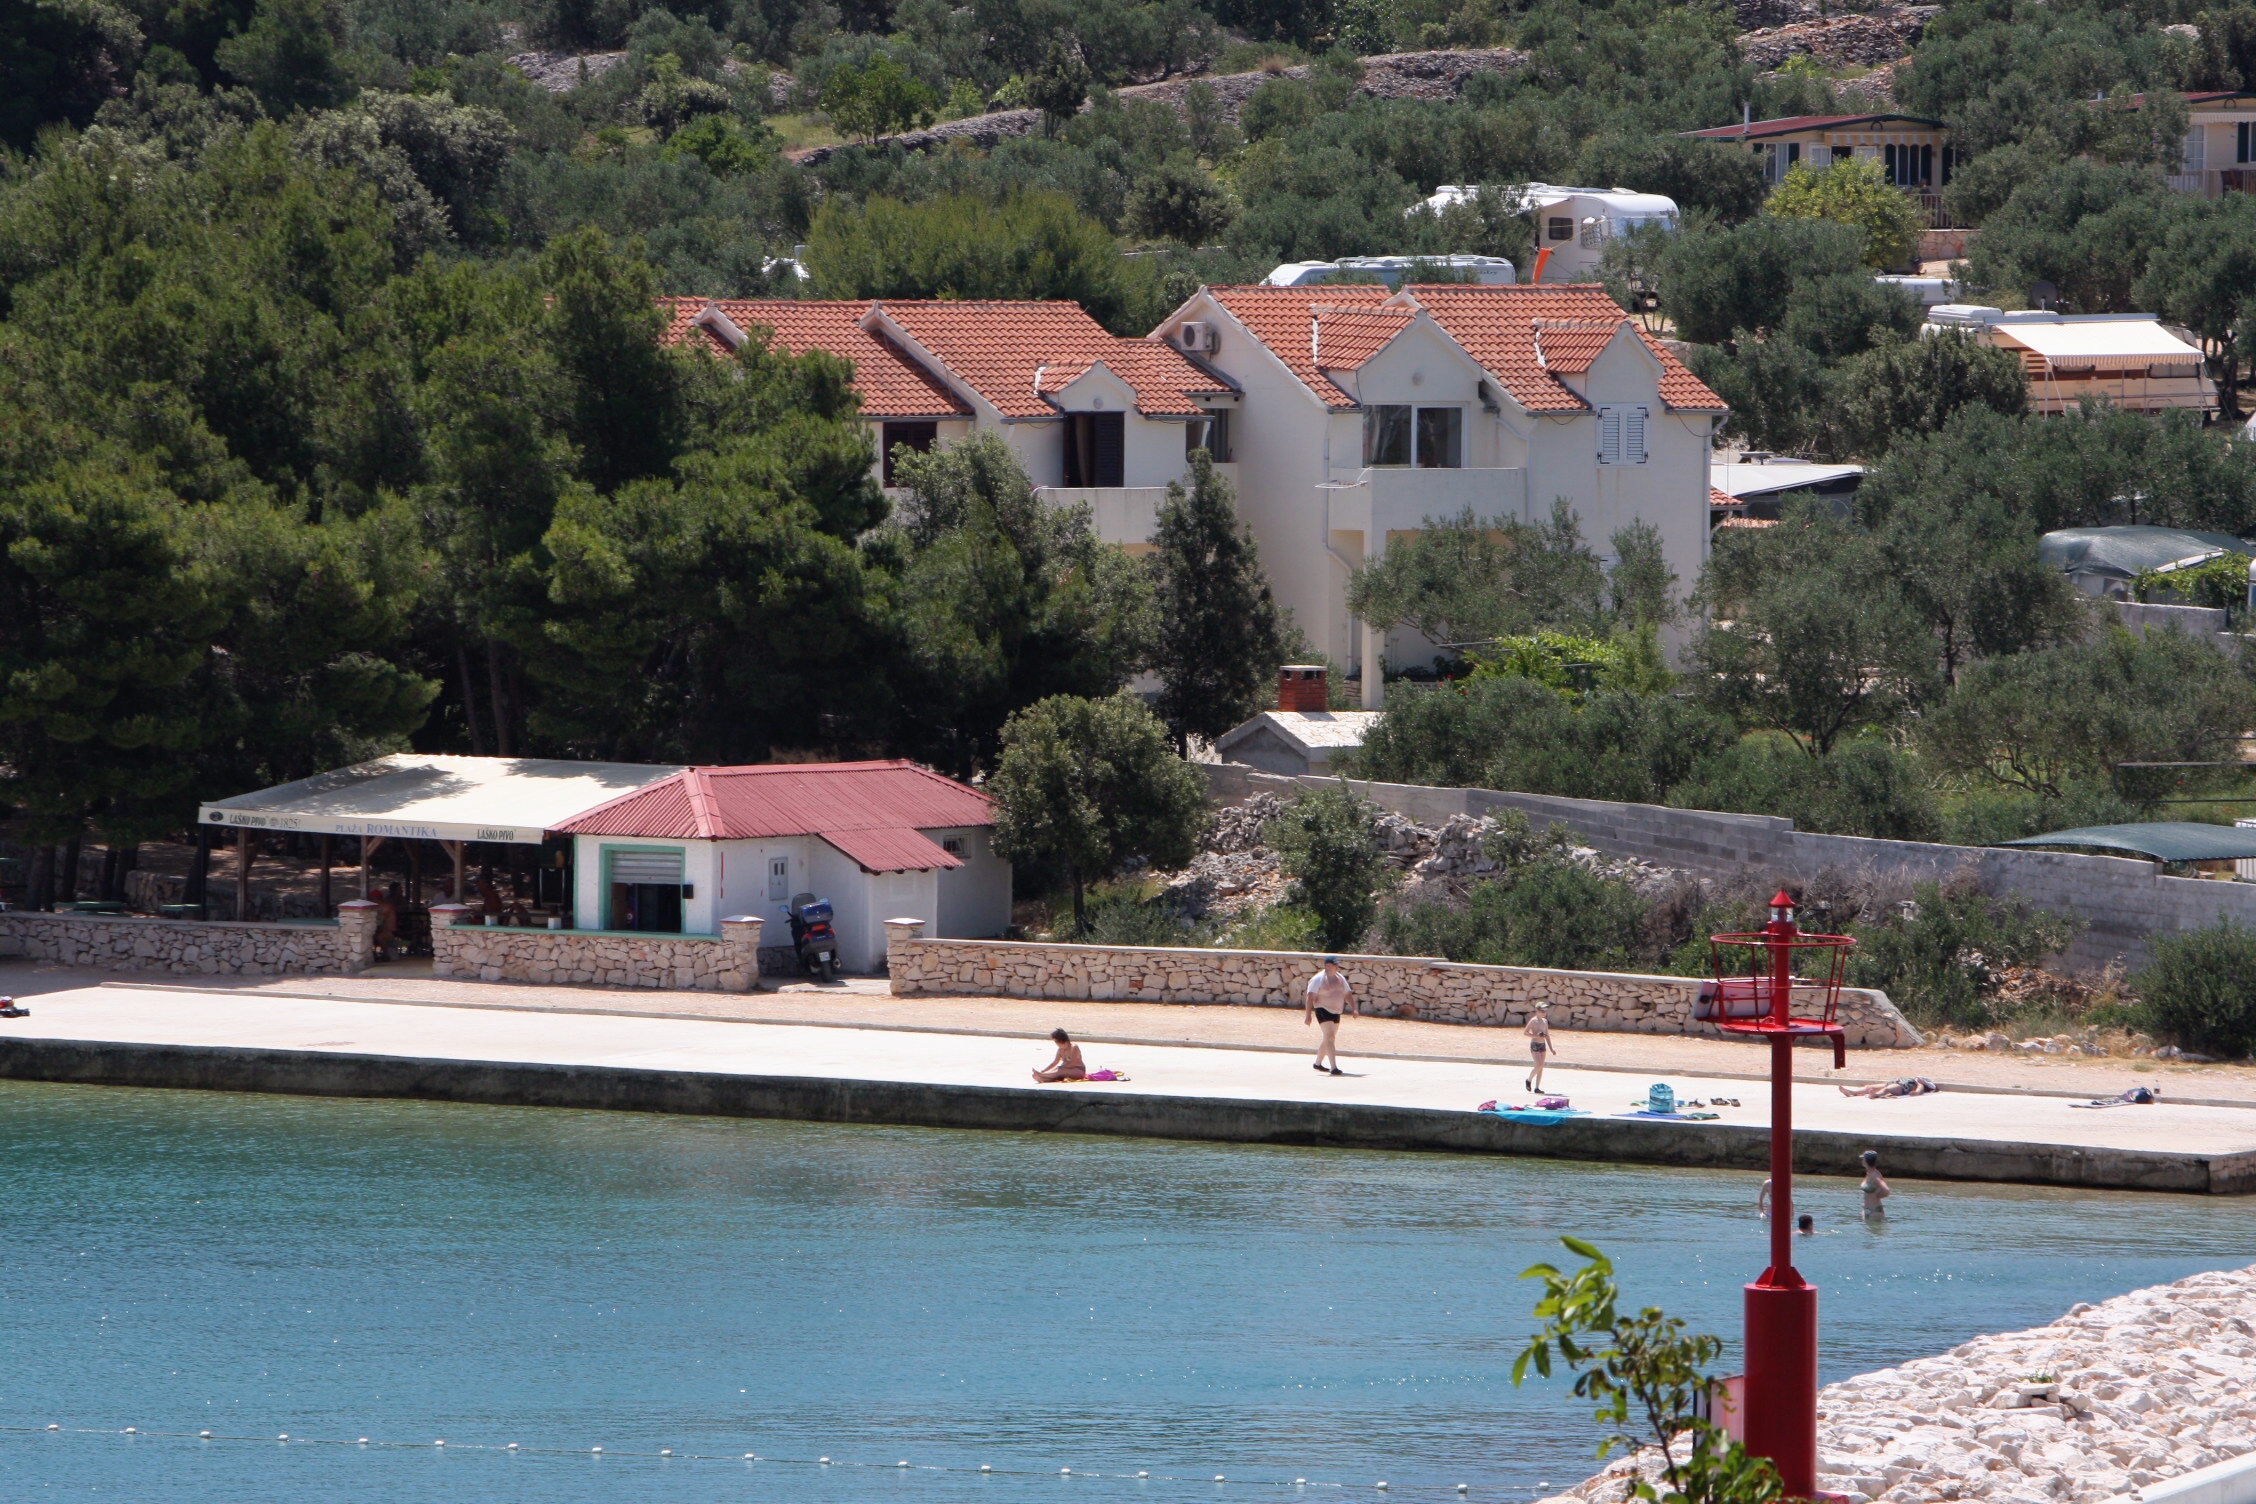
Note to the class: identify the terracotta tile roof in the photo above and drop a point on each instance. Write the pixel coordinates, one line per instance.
(891, 385)
(997, 349)
(1718, 498)
(1786, 125)
(1497, 326)
(1344, 338)
(1280, 317)
(1748, 522)
(872, 811)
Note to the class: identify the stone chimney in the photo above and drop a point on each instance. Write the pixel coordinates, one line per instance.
(1300, 686)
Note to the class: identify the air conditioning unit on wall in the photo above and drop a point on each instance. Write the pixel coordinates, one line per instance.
(1197, 338)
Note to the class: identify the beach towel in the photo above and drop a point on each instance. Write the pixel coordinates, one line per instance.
(1536, 1115)
(1553, 1104)
(1104, 1076)
(1674, 1117)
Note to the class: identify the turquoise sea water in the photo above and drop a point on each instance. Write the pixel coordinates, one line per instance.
(178, 1261)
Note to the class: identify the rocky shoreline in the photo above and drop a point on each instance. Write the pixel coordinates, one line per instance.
(2109, 1398)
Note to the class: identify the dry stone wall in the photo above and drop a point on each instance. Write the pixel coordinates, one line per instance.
(1389, 986)
(727, 962)
(182, 947)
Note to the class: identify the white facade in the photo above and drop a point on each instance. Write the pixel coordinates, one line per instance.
(1573, 224)
(1318, 511)
(759, 877)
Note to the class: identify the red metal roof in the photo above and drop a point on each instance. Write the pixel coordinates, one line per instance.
(890, 384)
(1787, 125)
(1001, 351)
(1497, 326)
(872, 811)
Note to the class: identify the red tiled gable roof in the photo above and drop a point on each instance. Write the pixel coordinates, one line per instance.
(1497, 326)
(890, 384)
(1343, 338)
(1280, 318)
(872, 811)
(1787, 125)
(1718, 498)
(998, 349)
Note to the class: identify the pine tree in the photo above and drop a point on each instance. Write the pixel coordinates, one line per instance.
(1218, 644)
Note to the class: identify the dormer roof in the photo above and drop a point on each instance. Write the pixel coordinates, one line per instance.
(1013, 355)
(890, 384)
(1529, 338)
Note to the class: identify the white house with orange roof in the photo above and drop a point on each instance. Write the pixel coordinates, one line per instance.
(1364, 412)
(1093, 417)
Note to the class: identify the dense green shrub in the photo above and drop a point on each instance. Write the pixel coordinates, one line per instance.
(1334, 861)
(1549, 912)
(2200, 986)
(1864, 788)
(1939, 958)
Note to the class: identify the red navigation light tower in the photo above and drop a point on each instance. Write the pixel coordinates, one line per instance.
(1779, 1403)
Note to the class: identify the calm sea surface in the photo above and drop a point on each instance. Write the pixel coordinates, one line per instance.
(178, 1261)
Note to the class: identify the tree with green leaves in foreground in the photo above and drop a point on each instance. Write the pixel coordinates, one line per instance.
(1334, 860)
(1852, 193)
(1648, 1379)
(1218, 646)
(1089, 784)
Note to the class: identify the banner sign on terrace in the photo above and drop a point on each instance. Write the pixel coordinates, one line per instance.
(401, 830)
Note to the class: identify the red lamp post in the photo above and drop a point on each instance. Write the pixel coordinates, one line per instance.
(1779, 1400)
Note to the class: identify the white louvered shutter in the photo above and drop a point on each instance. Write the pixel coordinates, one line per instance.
(1609, 435)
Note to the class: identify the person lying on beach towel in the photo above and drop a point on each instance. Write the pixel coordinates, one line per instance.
(2144, 1096)
(1066, 1064)
(1902, 1086)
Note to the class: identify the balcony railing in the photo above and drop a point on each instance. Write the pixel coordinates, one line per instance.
(1386, 499)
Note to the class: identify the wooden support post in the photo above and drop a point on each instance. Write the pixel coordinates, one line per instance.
(328, 852)
(242, 874)
(454, 849)
(368, 846)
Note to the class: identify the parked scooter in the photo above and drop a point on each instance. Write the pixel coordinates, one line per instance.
(813, 936)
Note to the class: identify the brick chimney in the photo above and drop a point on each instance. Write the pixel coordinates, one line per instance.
(1300, 686)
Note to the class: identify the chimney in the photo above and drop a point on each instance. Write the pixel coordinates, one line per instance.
(1300, 686)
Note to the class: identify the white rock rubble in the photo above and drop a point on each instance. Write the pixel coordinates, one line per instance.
(2107, 1399)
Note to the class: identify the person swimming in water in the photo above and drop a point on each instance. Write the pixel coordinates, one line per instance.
(1806, 1225)
(1066, 1065)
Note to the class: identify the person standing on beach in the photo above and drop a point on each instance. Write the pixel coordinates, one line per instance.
(1875, 1186)
(1538, 1033)
(1327, 999)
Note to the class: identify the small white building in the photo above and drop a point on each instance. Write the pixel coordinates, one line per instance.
(1368, 411)
(1572, 225)
(1094, 418)
(880, 840)
(1296, 742)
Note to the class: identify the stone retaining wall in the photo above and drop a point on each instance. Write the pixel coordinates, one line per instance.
(2122, 900)
(727, 962)
(184, 947)
(1388, 986)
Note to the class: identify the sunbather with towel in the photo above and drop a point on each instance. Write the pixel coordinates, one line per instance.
(2145, 1096)
(1066, 1065)
(1902, 1086)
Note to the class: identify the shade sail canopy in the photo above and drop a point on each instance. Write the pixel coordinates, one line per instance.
(415, 796)
(2114, 345)
(2164, 840)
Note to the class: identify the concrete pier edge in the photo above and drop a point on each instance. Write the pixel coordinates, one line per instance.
(322, 1073)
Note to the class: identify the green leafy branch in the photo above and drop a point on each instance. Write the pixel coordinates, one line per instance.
(1644, 1371)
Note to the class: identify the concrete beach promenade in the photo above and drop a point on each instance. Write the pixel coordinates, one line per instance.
(566, 1048)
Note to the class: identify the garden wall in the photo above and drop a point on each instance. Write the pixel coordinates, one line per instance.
(727, 962)
(116, 942)
(1388, 986)
(2121, 899)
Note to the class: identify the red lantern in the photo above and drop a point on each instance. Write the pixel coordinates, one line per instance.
(1779, 1404)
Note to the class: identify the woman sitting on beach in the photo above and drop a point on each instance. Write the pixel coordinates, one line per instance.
(1902, 1086)
(1066, 1064)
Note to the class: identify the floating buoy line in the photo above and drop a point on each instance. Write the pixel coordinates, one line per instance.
(669, 1455)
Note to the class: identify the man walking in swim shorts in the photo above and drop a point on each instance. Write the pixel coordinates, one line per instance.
(1328, 997)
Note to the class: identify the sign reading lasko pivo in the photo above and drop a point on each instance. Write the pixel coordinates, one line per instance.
(320, 825)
